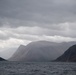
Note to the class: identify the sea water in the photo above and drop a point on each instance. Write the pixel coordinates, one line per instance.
(37, 68)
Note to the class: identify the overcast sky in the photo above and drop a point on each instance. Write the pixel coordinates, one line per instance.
(24, 21)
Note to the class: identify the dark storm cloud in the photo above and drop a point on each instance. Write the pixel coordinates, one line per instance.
(37, 18)
(37, 12)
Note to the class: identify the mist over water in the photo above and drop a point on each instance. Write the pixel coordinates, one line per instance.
(37, 68)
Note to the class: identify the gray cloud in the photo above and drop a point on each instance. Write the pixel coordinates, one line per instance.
(46, 12)
(31, 20)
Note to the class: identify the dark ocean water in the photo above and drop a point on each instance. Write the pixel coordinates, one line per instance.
(38, 68)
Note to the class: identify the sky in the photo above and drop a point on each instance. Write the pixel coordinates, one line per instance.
(24, 21)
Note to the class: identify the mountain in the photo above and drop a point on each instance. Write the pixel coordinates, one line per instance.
(69, 55)
(1, 59)
(40, 51)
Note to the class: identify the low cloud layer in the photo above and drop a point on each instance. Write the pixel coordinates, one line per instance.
(11, 37)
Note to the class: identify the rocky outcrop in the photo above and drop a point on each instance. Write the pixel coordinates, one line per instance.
(69, 55)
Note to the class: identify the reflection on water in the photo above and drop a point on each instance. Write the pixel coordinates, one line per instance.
(51, 68)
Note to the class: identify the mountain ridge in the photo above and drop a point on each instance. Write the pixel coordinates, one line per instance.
(40, 51)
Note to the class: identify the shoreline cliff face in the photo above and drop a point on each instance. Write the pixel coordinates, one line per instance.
(68, 56)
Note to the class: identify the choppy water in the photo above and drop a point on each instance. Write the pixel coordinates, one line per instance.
(23, 68)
